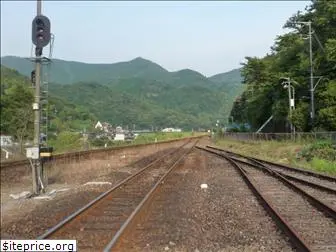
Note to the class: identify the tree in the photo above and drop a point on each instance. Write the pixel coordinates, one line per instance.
(264, 95)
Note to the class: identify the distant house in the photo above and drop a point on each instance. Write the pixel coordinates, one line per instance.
(98, 125)
(171, 130)
(119, 137)
(119, 129)
(123, 135)
(105, 126)
(6, 140)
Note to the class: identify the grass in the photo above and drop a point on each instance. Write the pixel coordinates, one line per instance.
(162, 136)
(70, 143)
(325, 166)
(285, 152)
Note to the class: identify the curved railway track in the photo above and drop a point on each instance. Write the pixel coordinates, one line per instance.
(99, 225)
(284, 168)
(319, 185)
(308, 222)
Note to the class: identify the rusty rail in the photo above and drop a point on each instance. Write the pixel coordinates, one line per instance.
(106, 197)
(297, 241)
(136, 211)
(103, 195)
(286, 167)
(302, 181)
(86, 153)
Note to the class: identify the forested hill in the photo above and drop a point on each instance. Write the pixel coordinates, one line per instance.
(265, 96)
(17, 114)
(141, 92)
(69, 72)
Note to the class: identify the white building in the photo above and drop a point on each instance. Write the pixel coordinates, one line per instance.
(6, 140)
(119, 137)
(171, 130)
(119, 129)
(106, 127)
(98, 125)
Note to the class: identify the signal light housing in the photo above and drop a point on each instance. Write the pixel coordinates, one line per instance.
(41, 31)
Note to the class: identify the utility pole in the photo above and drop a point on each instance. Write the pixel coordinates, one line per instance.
(291, 101)
(312, 107)
(290, 107)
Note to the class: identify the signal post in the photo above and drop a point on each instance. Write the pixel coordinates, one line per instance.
(40, 37)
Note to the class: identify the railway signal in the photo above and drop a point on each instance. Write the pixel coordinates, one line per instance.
(40, 37)
(41, 31)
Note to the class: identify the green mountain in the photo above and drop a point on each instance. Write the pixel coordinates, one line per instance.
(141, 92)
(16, 108)
(232, 77)
(69, 72)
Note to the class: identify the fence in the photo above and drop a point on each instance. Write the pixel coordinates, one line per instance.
(298, 136)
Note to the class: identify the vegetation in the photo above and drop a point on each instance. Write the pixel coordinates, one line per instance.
(71, 141)
(67, 141)
(161, 136)
(142, 93)
(17, 114)
(317, 156)
(69, 72)
(264, 95)
(321, 150)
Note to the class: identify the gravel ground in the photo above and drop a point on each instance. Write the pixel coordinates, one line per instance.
(29, 218)
(224, 217)
(317, 230)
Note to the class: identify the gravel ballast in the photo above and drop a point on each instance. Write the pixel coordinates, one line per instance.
(314, 227)
(29, 218)
(224, 217)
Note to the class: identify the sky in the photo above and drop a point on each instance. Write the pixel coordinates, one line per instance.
(208, 37)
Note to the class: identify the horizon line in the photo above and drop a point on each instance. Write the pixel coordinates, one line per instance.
(75, 61)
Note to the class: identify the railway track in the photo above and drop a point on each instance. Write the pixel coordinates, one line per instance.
(319, 185)
(99, 225)
(285, 168)
(308, 222)
(85, 154)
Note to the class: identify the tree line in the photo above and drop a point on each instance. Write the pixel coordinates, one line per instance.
(264, 95)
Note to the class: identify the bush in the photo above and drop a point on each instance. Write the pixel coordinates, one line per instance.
(99, 142)
(320, 150)
(66, 141)
(324, 165)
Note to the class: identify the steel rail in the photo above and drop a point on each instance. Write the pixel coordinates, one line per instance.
(296, 240)
(103, 195)
(86, 153)
(136, 211)
(329, 211)
(290, 177)
(323, 207)
(286, 167)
